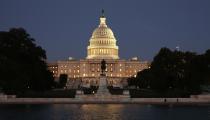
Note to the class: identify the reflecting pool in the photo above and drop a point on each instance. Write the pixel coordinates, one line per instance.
(103, 112)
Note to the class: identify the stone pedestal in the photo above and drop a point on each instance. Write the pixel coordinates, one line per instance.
(103, 94)
(126, 92)
(102, 89)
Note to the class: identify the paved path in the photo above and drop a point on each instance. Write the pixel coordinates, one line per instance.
(161, 101)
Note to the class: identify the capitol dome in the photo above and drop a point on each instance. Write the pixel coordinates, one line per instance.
(102, 32)
(102, 42)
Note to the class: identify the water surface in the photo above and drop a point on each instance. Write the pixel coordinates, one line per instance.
(103, 112)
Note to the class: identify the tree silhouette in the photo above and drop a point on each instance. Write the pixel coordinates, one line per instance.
(22, 63)
(62, 80)
(175, 70)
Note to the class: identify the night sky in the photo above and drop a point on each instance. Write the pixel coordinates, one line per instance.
(63, 27)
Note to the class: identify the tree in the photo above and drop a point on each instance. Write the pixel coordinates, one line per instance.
(207, 65)
(179, 71)
(176, 70)
(132, 82)
(144, 77)
(63, 80)
(161, 68)
(22, 63)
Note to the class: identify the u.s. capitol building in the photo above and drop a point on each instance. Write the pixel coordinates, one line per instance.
(102, 45)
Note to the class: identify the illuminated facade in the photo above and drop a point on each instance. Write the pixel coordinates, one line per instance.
(102, 45)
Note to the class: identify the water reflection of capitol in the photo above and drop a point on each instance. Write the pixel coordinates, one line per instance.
(102, 45)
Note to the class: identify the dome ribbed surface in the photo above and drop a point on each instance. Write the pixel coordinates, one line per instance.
(102, 32)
